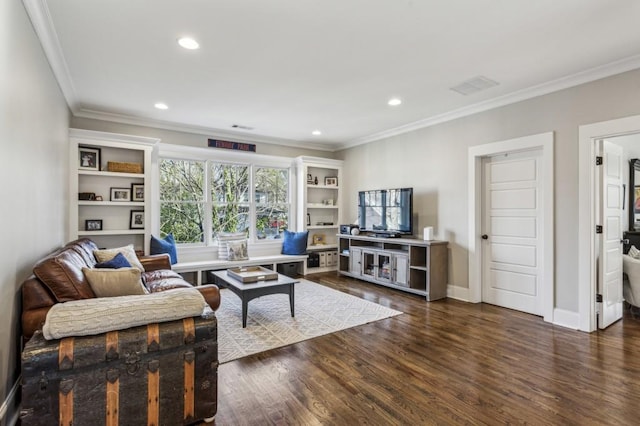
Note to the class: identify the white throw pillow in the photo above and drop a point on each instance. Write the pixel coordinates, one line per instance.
(127, 251)
(223, 238)
(115, 282)
(634, 252)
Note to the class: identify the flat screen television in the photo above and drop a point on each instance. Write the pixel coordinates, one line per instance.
(386, 211)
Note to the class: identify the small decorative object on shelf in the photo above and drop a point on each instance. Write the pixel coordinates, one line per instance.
(308, 219)
(93, 225)
(137, 219)
(331, 181)
(88, 158)
(137, 192)
(120, 194)
(98, 198)
(318, 239)
(309, 178)
(315, 181)
(86, 196)
(122, 167)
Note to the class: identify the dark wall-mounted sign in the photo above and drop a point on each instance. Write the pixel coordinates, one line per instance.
(214, 143)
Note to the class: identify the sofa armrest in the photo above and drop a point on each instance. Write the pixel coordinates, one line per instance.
(155, 262)
(211, 294)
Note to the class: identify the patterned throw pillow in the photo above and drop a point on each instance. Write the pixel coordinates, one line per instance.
(634, 252)
(223, 238)
(237, 250)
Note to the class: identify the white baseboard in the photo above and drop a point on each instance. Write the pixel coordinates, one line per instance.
(566, 318)
(10, 402)
(458, 293)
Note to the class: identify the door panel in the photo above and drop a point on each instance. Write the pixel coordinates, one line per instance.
(512, 221)
(514, 198)
(514, 226)
(609, 242)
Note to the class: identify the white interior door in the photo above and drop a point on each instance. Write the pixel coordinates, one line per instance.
(512, 234)
(610, 244)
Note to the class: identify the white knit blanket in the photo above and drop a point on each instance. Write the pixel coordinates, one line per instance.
(94, 316)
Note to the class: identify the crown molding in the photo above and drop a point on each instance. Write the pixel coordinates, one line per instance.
(582, 77)
(43, 25)
(199, 130)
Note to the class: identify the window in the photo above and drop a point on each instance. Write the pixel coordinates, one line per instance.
(248, 198)
(230, 198)
(272, 202)
(182, 200)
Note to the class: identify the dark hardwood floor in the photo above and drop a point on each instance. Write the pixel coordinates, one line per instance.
(444, 362)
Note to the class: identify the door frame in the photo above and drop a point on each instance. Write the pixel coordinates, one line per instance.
(587, 136)
(545, 142)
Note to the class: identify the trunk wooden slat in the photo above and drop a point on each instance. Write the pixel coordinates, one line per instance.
(132, 376)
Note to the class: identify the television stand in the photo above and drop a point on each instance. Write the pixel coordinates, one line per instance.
(407, 264)
(386, 235)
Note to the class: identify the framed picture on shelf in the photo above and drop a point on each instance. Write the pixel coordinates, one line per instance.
(319, 239)
(137, 219)
(331, 181)
(137, 192)
(88, 158)
(93, 225)
(120, 194)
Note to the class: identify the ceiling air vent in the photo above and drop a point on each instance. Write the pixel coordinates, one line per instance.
(241, 127)
(474, 85)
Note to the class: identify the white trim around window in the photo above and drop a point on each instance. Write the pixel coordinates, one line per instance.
(179, 152)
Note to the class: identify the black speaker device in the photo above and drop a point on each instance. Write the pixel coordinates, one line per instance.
(346, 229)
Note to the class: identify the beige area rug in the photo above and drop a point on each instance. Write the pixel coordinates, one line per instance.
(319, 310)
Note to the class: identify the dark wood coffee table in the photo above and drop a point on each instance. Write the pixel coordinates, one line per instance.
(250, 291)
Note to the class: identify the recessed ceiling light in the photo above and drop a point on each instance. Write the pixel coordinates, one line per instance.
(316, 133)
(161, 105)
(394, 102)
(188, 43)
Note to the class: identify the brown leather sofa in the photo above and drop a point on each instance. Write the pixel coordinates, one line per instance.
(59, 278)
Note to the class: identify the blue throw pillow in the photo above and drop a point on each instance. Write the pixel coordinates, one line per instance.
(119, 261)
(295, 242)
(168, 245)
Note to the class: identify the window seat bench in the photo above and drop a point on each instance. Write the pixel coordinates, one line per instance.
(270, 262)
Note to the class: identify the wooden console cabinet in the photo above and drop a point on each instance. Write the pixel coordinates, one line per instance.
(406, 264)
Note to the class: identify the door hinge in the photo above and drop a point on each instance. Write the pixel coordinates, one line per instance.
(598, 229)
(598, 160)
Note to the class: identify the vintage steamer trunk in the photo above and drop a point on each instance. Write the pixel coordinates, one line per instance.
(158, 374)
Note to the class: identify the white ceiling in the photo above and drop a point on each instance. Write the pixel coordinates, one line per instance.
(287, 67)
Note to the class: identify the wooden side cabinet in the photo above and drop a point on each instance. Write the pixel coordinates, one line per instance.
(407, 264)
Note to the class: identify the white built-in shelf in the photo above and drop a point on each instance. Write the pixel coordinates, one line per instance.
(321, 247)
(311, 227)
(322, 186)
(113, 232)
(112, 203)
(321, 206)
(111, 174)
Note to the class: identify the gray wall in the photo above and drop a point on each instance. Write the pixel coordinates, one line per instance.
(34, 122)
(434, 162)
(187, 139)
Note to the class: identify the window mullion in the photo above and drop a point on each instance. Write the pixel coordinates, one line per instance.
(208, 204)
(252, 205)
